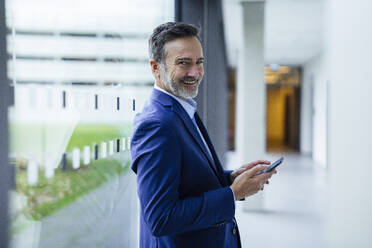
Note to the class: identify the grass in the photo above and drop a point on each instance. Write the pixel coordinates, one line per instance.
(52, 194)
(49, 195)
(94, 134)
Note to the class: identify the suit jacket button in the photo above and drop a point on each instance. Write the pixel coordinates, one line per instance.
(234, 230)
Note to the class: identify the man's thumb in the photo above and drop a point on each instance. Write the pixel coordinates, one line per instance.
(258, 168)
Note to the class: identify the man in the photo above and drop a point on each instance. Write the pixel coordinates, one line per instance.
(186, 198)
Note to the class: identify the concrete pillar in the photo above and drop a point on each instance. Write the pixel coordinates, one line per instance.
(307, 112)
(212, 98)
(350, 120)
(251, 92)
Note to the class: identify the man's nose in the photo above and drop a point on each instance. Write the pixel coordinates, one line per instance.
(194, 71)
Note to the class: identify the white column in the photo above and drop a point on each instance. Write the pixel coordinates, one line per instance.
(103, 149)
(307, 111)
(76, 158)
(128, 143)
(111, 147)
(251, 92)
(32, 173)
(349, 40)
(49, 167)
(86, 155)
(124, 142)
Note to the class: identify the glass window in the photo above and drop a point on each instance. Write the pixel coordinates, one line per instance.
(80, 73)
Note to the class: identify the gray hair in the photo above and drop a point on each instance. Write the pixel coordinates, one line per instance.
(167, 32)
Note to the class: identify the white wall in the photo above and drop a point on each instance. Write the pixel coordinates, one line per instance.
(349, 44)
(314, 109)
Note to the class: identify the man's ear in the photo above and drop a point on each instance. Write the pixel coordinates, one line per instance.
(155, 68)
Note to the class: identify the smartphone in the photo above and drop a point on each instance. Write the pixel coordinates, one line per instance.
(272, 166)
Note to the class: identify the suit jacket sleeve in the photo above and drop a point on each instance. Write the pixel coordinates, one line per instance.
(157, 160)
(227, 175)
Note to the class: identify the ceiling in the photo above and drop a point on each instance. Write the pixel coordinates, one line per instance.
(292, 35)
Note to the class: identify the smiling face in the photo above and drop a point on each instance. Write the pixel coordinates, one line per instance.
(182, 69)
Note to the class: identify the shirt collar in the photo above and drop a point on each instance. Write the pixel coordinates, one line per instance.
(189, 105)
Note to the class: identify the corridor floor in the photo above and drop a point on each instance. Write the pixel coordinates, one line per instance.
(294, 207)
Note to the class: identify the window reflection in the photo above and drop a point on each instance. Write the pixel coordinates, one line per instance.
(80, 74)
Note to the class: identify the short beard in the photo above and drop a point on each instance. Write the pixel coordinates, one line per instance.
(176, 88)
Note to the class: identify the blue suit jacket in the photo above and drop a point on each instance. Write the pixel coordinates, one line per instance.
(184, 194)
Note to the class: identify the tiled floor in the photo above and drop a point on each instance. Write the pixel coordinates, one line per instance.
(294, 207)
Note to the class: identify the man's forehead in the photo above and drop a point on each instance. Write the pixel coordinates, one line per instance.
(188, 47)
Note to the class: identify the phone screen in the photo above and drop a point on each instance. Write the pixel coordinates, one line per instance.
(272, 166)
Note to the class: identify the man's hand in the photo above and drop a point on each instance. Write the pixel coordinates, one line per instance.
(247, 183)
(245, 167)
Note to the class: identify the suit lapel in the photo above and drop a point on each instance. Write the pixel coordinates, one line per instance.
(207, 139)
(168, 101)
(195, 134)
(193, 131)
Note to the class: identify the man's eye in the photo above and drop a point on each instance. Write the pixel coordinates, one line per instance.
(200, 62)
(183, 63)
